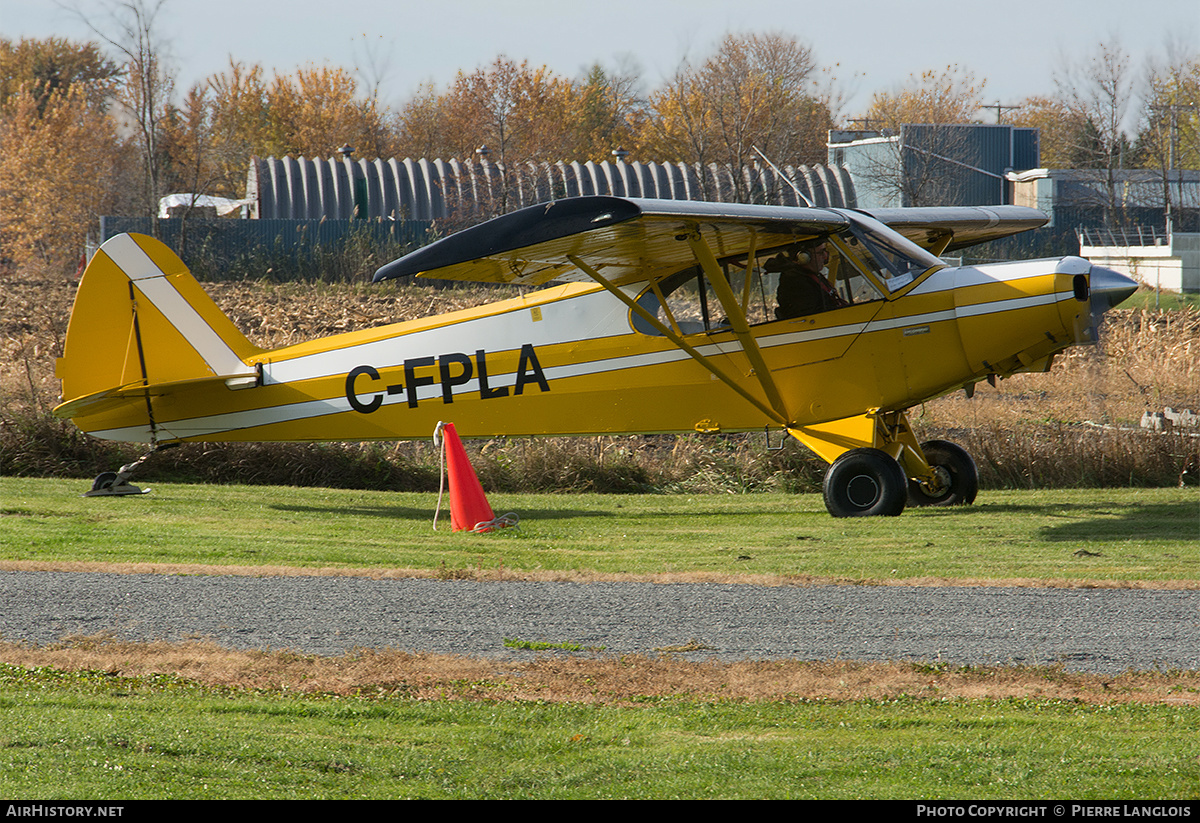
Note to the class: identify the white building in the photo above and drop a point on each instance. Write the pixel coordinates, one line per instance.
(1169, 262)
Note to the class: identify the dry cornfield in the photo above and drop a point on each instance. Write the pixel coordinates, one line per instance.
(1076, 426)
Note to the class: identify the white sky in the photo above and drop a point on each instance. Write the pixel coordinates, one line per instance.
(1015, 45)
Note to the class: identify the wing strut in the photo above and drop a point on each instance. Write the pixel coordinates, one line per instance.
(737, 320)
(677, 339)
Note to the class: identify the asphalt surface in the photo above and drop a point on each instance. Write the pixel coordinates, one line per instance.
(1092, 630)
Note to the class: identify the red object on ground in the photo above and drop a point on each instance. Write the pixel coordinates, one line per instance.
(468, 504)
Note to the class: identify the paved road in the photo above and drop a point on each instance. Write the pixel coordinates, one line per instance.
(1086, 630)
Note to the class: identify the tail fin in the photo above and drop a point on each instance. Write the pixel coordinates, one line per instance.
(140, 320)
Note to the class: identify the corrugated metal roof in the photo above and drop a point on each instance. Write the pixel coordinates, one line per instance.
(342, 188)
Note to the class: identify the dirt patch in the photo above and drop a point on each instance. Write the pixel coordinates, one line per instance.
(563, 678)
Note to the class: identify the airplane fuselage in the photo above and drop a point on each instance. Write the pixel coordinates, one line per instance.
(568, 361)
(673, 317)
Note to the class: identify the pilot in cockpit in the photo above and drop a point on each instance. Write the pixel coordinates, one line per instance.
(803, 287)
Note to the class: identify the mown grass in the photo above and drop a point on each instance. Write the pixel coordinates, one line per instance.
(1097, 536)
(92, 735)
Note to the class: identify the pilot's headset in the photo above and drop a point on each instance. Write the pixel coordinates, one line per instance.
(803, 250)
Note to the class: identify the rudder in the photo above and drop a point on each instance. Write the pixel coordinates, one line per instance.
(141, 319)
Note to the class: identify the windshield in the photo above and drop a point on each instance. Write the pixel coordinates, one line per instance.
(894, 259)
(814, 275)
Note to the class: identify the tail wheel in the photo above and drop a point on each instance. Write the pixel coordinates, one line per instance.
(865, 483)
(956, 471)
(104, 480)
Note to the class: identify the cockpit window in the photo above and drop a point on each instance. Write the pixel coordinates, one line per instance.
(892, 258)
(858, 264)
(803, 278)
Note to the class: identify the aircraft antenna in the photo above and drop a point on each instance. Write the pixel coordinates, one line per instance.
(789, 180)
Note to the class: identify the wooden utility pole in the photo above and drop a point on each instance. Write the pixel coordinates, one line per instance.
(1000, 109)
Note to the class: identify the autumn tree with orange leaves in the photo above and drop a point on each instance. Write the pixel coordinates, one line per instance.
(47, 202)
(517, 112)
(239, 114)
(54, 125)
(755, 91)
(508, 115)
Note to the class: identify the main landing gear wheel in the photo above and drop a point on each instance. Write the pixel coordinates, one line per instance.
(956, 471)
(865, 483)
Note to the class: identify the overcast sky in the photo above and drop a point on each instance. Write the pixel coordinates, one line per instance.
(872, 45)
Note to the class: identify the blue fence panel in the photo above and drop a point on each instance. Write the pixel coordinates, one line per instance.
(216, 249)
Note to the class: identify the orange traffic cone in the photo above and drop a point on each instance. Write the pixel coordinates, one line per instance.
(469, 509)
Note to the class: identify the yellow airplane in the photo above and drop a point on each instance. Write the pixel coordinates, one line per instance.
(657, 317)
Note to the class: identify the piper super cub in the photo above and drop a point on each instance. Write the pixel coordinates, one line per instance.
(657, 316)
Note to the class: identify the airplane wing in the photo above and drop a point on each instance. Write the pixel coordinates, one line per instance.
(631, 239)
(625, 239)
(959, 226)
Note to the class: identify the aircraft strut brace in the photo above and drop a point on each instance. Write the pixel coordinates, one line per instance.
(737, 319)
(678, 340)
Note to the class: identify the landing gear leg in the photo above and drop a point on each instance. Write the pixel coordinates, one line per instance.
(868, 453)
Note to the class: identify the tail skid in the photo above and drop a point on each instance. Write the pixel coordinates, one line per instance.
(141, 325)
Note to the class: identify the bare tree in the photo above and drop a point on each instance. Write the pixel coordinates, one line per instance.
(923, 147)
(374, 66)
(1098, 91)
(1169, 139)
(130, 29)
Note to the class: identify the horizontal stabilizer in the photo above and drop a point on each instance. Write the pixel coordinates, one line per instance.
(137, 393)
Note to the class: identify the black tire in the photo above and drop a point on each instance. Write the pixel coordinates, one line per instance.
(865, 483)
(959, 475)
(104, 481)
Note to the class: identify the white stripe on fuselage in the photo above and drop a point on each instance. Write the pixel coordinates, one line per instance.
(967, 276)
(586, 317)
(382, 354)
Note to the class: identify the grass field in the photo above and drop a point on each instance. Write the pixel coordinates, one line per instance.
(95, 718)
(1049, 537)
(90, 735)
